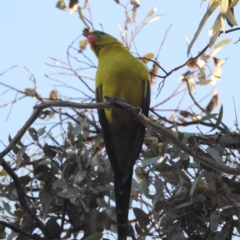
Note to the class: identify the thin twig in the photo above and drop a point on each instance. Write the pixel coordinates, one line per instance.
(18, 230)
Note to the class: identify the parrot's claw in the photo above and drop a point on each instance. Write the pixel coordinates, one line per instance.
(110, 99)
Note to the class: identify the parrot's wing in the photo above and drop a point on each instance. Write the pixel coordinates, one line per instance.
(106, 134)
(140, 132)
(138, 139)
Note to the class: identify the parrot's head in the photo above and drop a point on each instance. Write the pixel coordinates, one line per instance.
(98, 39)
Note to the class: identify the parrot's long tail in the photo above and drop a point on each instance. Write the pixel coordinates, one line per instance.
(122, 196)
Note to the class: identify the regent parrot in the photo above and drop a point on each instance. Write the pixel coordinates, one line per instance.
(120, 75)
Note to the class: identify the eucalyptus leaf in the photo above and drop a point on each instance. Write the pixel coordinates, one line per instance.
(46, 200)
(209, 12)
(150, 161)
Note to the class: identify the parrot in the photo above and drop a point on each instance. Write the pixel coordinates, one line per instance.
(122, 76)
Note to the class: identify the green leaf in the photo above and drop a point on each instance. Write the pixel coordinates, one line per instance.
(33, 133)
(95, 236)
(135, 184)
(194, 185)
(46, 200)
(70, 192)
(210, 10)
(141, 216)
(204, 82)
(140, 174)
(151, 12)
(144, 187)
(219, 119)
(7, 207)
(230, 17)
(163, 166)
(198, 198)
(24, 180)
(214, 154)
(227, 140)
(41, 131)
(208, 117)
(214, 221)
(223, 10)
(150, 161)
(159, 186)
(184, 205)
(3, 234)
(152, 19)
(221, 43)
(78, 129)
(234, 3)
(215, 30)
(224, 7)
(61, 5)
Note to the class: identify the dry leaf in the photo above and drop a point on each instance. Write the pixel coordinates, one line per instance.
(152, 19)
(216, 75)
(61, 5)
(53, 95)
(73, 5)
(218, 62)
(135, 2)
(134, 13)
(154, 71)
(85, 4)
(151, 12)
(213, 103)
(83, 45)
(31, 92)
(193, 63)
(146, 57)
(191, 84)
(185, 114)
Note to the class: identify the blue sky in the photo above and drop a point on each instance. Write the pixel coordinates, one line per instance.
(34, 31)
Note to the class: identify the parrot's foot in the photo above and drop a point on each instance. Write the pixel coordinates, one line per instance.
(110, 99)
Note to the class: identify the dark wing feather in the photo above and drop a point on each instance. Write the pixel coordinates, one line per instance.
(140, 132)
(105, 132)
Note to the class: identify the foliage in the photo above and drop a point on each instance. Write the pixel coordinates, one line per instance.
(59, 184)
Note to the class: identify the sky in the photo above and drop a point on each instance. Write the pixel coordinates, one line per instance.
(33, 32)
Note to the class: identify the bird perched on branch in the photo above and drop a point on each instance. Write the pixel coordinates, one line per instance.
(124, 77)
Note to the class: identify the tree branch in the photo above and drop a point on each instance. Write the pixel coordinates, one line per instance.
(21, 193)
(18, 230)
(149, 124)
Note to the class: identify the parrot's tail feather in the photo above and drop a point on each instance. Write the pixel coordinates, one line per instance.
(122, 196)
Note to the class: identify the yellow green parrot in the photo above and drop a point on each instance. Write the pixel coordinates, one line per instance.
(121, 75)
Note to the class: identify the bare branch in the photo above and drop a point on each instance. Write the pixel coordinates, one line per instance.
(18, 230)
(150, 125)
